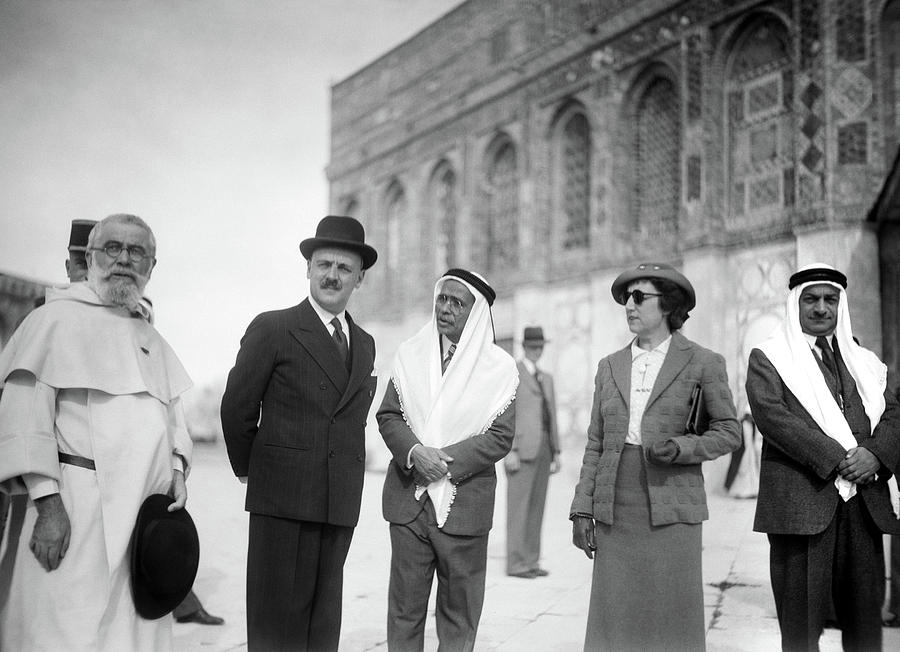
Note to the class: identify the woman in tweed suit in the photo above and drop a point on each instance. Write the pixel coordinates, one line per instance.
(639, 504)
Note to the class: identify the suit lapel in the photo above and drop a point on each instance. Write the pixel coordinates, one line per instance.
(676, 359)
(526, 378)
(621, 372)
(312, 334)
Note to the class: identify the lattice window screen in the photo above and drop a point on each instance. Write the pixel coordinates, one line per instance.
(576, 160)
(850, 27)
(694, 65)
(657, 158)
(395, 219)
(759, 93)
(503, 211)
(853, 143)
(446, 204)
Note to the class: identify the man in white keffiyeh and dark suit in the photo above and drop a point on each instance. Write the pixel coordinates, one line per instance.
(447, 417)
(831, 441)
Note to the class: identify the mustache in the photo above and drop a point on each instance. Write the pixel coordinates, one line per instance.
(330, 284)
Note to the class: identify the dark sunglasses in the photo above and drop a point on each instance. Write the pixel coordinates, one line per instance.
(638, 296)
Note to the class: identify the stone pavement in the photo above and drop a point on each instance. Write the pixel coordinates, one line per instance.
(546, 614)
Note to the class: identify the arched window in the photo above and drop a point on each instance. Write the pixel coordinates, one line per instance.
(502, 207)
(890, 80)
(759, 89)
(444, 198)
(573, 176)
(657, 158)
(394, 219)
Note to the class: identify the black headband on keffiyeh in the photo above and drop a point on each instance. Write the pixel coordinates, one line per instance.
(475, 281)
(817, 273)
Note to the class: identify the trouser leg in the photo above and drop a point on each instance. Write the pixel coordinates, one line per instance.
(412, 573)
(858, 585)
(800, 569)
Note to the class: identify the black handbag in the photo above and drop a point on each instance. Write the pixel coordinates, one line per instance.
(697, 420)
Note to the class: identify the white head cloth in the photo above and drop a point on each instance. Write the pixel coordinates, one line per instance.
(790, 353)
(443, 409)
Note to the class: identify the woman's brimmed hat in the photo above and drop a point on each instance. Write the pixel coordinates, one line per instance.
(343, 233)
(650, 271)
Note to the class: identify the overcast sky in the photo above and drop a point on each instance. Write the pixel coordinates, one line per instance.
(208, 118)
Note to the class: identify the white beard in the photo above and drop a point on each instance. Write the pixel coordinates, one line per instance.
(118, 292)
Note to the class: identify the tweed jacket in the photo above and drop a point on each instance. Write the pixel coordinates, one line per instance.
(529, 414)
(294, 418)
(472, 470)
(799, 461)
(676, 490)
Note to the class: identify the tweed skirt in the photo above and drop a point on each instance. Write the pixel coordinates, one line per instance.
(647, 587)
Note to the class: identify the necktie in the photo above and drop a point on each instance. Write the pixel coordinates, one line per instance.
(831, 364)
(446, 360)
(340, 341)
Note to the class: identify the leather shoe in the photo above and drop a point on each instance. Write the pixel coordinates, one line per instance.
(527, 574)
(540, 572)
(202, 617)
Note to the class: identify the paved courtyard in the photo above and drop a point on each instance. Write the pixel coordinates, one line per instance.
(545, 614)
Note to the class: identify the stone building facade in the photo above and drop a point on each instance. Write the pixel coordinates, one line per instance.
(550, 144)
(17, 299)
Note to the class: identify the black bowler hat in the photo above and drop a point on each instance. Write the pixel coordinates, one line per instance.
(78, 236)
(343, 233)
(165, 554)
(651, 271)
(533, 336)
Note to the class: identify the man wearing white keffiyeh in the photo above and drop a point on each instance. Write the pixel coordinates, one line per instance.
(831, 434)
(448, 416)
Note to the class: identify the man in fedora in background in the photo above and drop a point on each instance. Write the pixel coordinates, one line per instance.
(534, 456)
(293, 416)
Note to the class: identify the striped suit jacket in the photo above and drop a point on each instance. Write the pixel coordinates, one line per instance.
(294, 418)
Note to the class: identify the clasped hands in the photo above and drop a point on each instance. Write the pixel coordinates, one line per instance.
(52, 530)
(429, 464)
(859, 465)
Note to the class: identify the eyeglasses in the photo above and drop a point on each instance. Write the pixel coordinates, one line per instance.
(114, 249)
(455, 304)
(638, 296)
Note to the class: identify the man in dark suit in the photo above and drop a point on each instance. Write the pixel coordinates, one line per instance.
(293, 416)
(831, 440)
(534, 456)
(447, 418)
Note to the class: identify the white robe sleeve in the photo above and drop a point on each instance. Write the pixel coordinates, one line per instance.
(183, 446)
(27, 435)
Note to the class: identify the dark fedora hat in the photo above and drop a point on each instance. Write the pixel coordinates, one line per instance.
(651, 271)
(165, 553)
(343, 233)
(78, 236)
(533, 336)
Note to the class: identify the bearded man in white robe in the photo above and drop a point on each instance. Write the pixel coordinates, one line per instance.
(91, 423)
